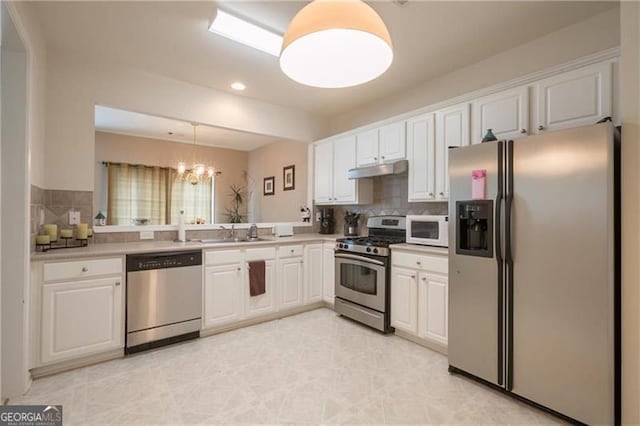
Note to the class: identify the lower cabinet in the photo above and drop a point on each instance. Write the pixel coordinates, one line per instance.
(420, 296)
(433, 300)
(313, 289)
(223, 294)
(263, 303)
(404, 298)
(328, 273)
(291, 280)
(81, 318)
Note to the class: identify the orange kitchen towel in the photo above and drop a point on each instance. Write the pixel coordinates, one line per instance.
(256, 277)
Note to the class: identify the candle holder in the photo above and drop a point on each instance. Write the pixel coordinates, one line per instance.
(43, 247)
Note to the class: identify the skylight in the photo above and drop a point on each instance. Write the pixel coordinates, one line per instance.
(239, 30)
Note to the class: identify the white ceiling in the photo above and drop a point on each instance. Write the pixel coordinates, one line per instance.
(135, 124)
(170, 38)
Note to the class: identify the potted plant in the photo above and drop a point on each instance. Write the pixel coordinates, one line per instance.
(351, 223)
(238, 195)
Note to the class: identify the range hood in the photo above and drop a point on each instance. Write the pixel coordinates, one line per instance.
(395, 168)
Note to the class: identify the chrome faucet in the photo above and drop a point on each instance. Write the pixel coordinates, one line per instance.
(232, 231)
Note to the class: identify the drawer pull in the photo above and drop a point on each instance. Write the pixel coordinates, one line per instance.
(85, 269)
(424, 278)
(292, 250)
(239, 269)
(419, 263)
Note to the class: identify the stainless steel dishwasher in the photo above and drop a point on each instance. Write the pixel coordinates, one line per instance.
(164, 299)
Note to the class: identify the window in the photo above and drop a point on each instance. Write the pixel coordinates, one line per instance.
(139, 194)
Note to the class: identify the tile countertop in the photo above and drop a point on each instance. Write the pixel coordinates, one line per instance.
(444, 251)
(113, 249)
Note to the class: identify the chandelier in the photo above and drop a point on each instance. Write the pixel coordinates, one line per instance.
(198, 171)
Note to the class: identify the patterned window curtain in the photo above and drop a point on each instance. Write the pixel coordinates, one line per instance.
(137, 192)
(195, 200)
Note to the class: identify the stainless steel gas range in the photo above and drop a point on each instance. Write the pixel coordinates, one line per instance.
(363, 272)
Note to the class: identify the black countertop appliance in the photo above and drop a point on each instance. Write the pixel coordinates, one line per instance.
(327, 221)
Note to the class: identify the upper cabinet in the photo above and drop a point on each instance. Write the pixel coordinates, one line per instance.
(333, 159)
(581, 96)
(421, 153)
(574, 98)
(452, 130)
(381, 145)
(505, 113)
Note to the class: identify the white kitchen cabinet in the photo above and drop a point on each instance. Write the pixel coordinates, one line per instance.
(420, 295)
(575, 98)
(223, 294)
(452, 130)
(291, 280)
(367, 145)
(81, 318)
(323, 171)
(313, 291)
(381, 145)
(328, 273)
(344, 159)
(333, 160)
(392, 142)
(263, 303)
(433, 302)
(505, 113)
(421, 155)
(404, 297)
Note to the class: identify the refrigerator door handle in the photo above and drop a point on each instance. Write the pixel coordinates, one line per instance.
(509, 262)
(500, 261)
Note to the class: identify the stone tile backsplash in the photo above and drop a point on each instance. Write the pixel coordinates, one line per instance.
(390, 197)
(54, 206)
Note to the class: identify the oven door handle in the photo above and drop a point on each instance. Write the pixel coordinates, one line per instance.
(360, 258)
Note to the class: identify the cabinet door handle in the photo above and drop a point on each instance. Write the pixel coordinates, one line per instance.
(240, 269)
(383, 157)
(413, 277)
(85, 269)
(541, 127)
(424, 278)
(431, 194)
(117, 282)
(419, 263)
(442, 194)
(523, 131)
(376, 158)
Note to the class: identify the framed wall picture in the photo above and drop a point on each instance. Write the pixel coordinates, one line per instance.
(289, 178)
(269, 185)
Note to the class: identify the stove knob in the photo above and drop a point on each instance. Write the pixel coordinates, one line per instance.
(368, 249)
(375, 250)
(342, 245)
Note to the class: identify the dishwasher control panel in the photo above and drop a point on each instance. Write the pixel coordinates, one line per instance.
(145, 262)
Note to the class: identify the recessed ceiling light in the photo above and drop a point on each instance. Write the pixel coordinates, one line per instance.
(244, 32)
(236, 85)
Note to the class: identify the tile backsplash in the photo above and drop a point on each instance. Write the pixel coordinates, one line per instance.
(390, 195)
(54, 206)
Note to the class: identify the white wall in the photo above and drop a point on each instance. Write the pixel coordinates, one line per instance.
(74, 87)
(590, 36)
(15, 64)
(630, 75)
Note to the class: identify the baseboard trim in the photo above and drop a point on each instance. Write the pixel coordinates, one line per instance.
(260, 319)
(438, 347)
(72, 364)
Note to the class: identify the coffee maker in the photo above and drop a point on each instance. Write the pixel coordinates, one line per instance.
(327, 221)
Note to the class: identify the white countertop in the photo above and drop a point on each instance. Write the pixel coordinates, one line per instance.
(112, 249)
(443, 251)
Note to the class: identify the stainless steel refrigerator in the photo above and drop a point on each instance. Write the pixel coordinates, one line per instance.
(533, 278)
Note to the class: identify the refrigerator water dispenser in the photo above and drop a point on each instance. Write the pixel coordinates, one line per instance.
(474, 228)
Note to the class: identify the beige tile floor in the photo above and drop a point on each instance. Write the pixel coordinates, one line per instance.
(310, 368)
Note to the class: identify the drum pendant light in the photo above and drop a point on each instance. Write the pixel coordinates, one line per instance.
(336, 43)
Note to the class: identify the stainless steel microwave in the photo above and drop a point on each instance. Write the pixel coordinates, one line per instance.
(430, 230)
